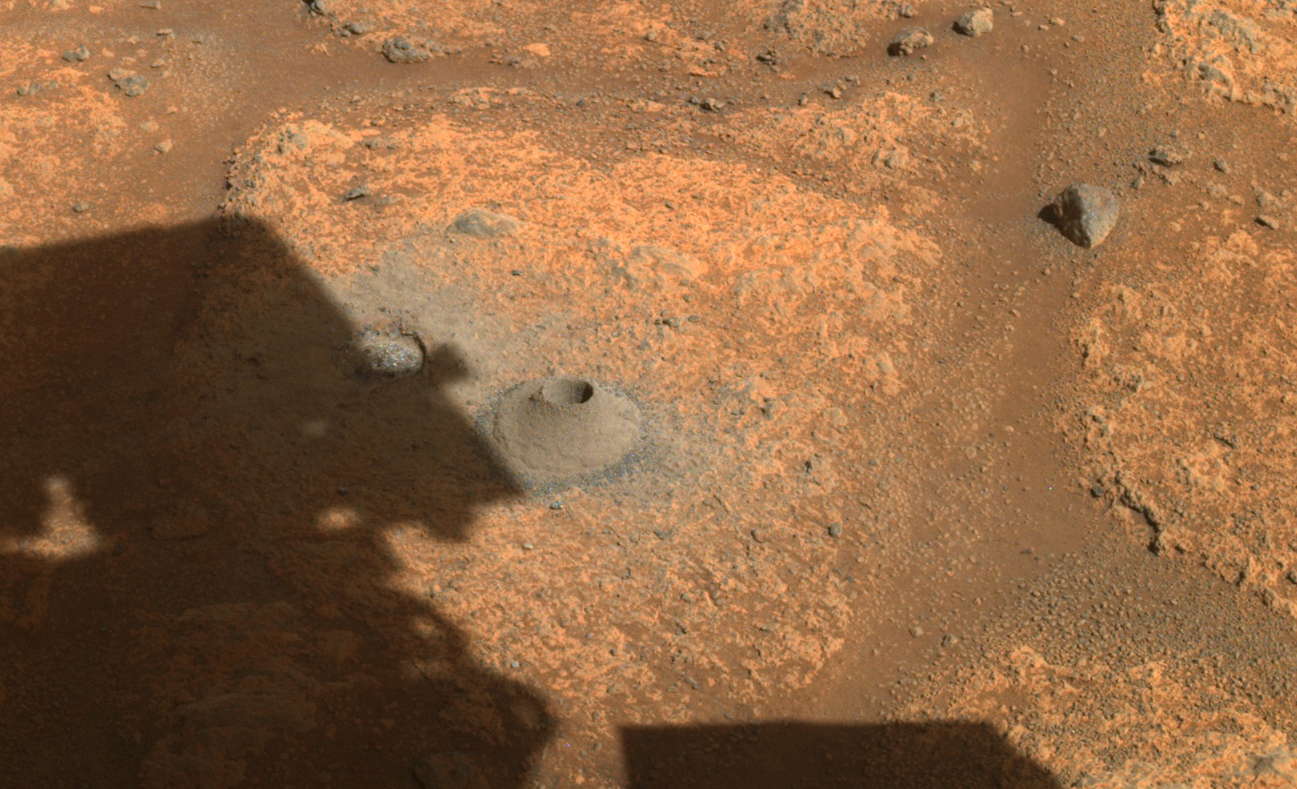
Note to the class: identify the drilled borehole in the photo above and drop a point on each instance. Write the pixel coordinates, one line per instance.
(566, 391)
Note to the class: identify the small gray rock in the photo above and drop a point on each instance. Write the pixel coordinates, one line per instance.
(357, 192)
(1266, 200)
(76, 55)
(976, 22)
(131, 84)
(707, 103)
(378, 355)
(480, 223)
(909, 40)
(1085, 214)
(400, 49)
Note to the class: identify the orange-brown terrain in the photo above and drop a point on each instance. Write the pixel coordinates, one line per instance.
(507, 393)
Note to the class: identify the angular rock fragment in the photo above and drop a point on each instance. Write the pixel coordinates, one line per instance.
(908, 40)
(1085, 214)
(975, 23)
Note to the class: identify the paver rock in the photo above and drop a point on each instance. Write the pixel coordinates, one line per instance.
(480, 223)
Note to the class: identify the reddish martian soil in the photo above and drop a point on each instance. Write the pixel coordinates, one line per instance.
(846, 467)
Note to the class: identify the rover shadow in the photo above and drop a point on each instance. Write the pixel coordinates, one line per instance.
(196, 588)
(827, 756)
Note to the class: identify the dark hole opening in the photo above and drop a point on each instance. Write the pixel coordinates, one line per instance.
(567, 391)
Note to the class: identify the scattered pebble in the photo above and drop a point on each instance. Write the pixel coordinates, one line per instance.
(163, 146)
(556, 505)
(1265, 220)
(835, 530)
(1221, 166)
(1085, 214)
(709, 104)
(357, 192)
(950, 640)
(916, 631)
(909, 40)
(80, 207)
(76, 55)
(975, 23)
(1167, 157)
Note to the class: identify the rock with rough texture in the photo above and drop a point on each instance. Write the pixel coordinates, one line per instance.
(975, 23)
(400, 49)
(131, 84)
(1167, 157)
(379, 355)
(1086, 214)
(909, 40)
(480, 223)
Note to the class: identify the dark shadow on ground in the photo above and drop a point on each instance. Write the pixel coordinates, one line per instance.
(792, 755)
(194, 590)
